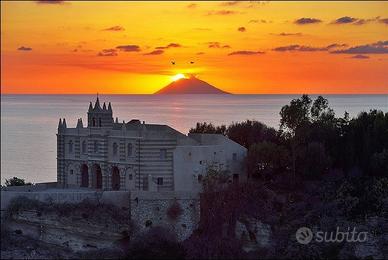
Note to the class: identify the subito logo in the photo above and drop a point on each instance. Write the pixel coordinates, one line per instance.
(304, 235)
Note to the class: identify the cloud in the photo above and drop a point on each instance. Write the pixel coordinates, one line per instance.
(303, 48)
(50, 2)
(230, 3)
(222, 12)
(380, 47)
(115, 28)
(128, 48)
(217, 45)
(241, 29)
(302, 21)
(358, 21)
(108, 52)
(345, 20)
(155, 52)
(202, 29)
(245, 53)
(22, 48)
(336, 45)
(191, 6)
(259, 21)
(200, 53)
(360, 56)
(287, 34)
(383, 20)
(171, 45)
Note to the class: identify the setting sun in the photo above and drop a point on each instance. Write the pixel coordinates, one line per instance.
(178, 76)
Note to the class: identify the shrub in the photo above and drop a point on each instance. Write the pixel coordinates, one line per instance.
(174, 211)
(157, 243)
(15, 181)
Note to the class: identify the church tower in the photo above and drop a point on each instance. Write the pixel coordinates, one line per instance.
(100, 117)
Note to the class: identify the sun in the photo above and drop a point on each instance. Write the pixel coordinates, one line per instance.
(178, 76)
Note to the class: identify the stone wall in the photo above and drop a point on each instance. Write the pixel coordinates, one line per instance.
(176, 211)
(117, 198)
(147, 209)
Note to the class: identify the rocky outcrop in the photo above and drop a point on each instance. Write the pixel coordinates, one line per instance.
(253, 233)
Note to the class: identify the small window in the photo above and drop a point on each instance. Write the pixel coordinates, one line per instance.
(70, 146)
(200, 162)
(71, 172)
(163, 154)
(235, 178)
(160, 181)
(84, 147)
(99, 122)
(95, 146)
(199, 177)
(94, 121)
(115, 147)
(234, 157)
(130, 177)
(215, 153)
(130, 150)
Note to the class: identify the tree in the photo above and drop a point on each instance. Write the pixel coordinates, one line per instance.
(266, 159)
(249, 132)
(208, 128)
(215, 178)
(15, 181)
(292, 117)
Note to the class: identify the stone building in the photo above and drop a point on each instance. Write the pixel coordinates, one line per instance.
(135, 156)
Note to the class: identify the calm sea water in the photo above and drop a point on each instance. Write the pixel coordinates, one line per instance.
(29, 122)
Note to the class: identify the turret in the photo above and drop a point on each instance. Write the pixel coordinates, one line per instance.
(110, 107)
(100, 117)
(60, 123)
(64, 124)
(97, 104)
(79, 123)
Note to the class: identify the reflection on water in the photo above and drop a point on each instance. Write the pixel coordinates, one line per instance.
(29, 122)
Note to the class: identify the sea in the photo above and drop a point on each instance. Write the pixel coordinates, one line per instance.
(29, 122)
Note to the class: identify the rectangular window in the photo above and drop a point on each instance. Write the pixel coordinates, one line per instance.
(235, 178)
(234, 156)
(130, 150)
(163, 154)
(160, 181)
(145, 183)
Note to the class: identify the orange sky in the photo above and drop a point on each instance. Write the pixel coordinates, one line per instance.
(74, 47)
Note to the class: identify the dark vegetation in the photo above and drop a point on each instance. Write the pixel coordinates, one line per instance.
(86, 210)
(15, 181)
(317, 170)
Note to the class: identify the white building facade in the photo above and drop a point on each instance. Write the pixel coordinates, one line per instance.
(108, 155)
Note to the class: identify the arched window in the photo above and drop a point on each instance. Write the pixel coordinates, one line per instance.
(129, 150)
(95, 146)
(99, 122)
(84, 147)
(114, 148)
(71, 146)
(93, 122)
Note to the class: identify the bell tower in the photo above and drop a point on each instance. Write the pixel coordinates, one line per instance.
(100, 117)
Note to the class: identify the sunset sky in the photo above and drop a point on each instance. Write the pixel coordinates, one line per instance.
(240, 47)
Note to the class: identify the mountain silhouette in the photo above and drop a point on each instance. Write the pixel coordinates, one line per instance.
(191, 85)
